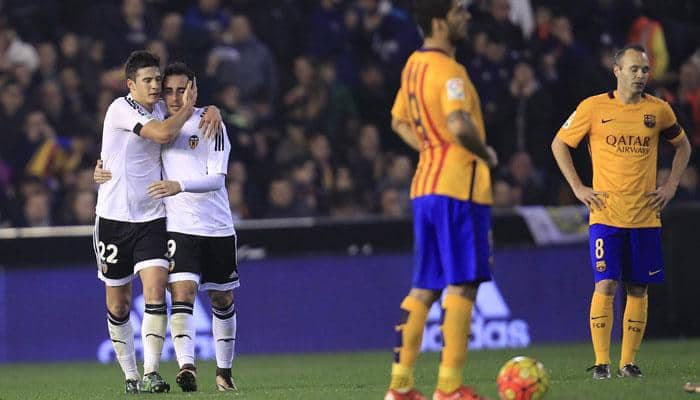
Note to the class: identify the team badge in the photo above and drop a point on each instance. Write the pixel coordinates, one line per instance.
(194, 141)
(104, 268)
(172, 264)
(600, 266)
(649, 120)
(455, 89)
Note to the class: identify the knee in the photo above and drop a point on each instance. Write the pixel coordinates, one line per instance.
(119, 309)
(221, 299)
(183, 293)
(425, 296)
(606, 287)
(636, 290)
(468, 291)
(154, 293)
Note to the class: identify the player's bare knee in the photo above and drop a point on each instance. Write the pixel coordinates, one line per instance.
(467, 290)
(183, 291)
(425, 296)
(606, 287)
(221, 299)
(635, 290)
(119, 309)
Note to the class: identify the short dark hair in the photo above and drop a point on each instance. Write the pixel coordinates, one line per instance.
(425, 10)
(178, 68)
(620, 53)
(137, 60)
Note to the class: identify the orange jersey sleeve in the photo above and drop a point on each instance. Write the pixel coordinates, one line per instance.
(577, 126)
(670, 129)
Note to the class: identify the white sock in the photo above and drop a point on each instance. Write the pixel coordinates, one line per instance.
(153, 329)
(224, 332)
(183, 332)
(122, 336)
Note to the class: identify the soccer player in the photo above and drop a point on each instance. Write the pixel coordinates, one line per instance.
(130, 234)
(623, 128)
(202, 250)
(437, 112)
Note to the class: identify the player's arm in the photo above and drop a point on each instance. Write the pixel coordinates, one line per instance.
(460, 124)
(219, 149)
(664, 193)
(585, 194)
(165, 131)
(403, 129)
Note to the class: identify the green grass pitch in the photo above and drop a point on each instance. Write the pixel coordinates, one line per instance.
(666, 365)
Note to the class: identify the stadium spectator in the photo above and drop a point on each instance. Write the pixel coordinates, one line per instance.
(524, 118)
(281, 200)
(12, 112)
(37, 209)
(209, 16)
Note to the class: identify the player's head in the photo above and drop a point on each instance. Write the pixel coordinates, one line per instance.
(631, 68)
(442, 19)
(142, 70)
(175, 78)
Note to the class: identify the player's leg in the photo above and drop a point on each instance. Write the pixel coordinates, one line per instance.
(224, 326)
(185, 253)
(646, 266)
(428, 281)
(183, 332)
(219, 278)
(607, 246)
(634, 324)
(152, 266)
(113, 248)
(465, 251)
(121, 332)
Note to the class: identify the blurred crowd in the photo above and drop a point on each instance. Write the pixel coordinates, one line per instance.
(305, 88)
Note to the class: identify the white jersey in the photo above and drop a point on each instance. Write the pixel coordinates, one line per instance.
(134, 162)
(191, 156)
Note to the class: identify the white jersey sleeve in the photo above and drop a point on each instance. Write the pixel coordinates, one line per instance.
(128, 116)
(219, 150)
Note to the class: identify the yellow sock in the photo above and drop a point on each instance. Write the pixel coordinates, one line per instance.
(455, 333)
(409, 334)
(601, 326)
(634, 324)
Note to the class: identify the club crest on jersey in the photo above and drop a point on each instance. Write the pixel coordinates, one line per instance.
(649, 120)
(194, 141)
(104, 268)
(455, 89)
(600, 266)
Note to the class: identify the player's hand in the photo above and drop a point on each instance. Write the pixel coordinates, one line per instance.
(211, 122)
(591, 198)
(492, 161)
(189, 98)
(101, 175)
(659, 198)
(161, 189)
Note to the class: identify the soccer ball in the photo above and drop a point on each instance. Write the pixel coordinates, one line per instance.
(522, 378)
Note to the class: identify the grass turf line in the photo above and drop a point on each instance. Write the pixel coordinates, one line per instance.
(358, 376)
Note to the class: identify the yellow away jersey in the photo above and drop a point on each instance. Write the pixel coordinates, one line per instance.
(624, 141)
(433, 85)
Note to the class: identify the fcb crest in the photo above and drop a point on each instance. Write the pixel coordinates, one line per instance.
(104, 268)
(194, 141)
(649, 120)
(600, 265)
